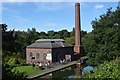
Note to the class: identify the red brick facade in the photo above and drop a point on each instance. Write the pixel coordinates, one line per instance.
(36, 51)
(57, 54)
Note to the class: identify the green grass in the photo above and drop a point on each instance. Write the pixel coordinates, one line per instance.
(11, 61)
(27, 69)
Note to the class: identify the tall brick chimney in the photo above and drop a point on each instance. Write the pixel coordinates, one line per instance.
(77, 49)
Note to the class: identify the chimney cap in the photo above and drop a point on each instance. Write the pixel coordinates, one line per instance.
(77, 4)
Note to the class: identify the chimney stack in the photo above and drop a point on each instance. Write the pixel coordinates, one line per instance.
(77, 49)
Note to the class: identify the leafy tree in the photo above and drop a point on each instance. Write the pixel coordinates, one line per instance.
(70, 40)
(51, 34)
(43, 35)
(72, 33)
(4, 27)
(56, 36)
(8, 39)
(83, 33)
(32, 35)
(103, 42)
(63, 34)
(66, 34)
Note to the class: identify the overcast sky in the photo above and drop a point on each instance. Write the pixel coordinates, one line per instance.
(45, 16)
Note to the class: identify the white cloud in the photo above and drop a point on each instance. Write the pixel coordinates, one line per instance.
(18, 18)
(98, 6)
(50, 24)
(3, 8)
(22, 20)
(84, 5)
(48, 6)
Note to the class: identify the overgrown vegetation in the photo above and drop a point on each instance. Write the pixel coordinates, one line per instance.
(8, 74)
(102, 44)
(106, 70)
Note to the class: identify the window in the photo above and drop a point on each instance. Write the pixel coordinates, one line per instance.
(44, 56)
(31, 54)
(37, 55)
(52, 41)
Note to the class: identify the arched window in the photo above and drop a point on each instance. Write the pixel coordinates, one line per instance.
(31, 54)
(44, 56)
(37, 55)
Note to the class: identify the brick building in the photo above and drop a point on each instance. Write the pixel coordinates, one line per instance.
(52, 50)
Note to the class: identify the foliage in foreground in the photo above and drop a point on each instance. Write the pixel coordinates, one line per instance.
(8, 74)
(107, 70)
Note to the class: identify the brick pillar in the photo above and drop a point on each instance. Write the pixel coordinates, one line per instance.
(77, 29)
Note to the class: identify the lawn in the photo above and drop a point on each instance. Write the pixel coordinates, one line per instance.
(27, 69)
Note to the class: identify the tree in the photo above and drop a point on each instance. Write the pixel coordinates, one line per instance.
(56, 36)
(51, 34)
(63, 34)
(72, 33)
(66, 34)
(83, 33)
(43, 35)
(103, 42)
(70, 40)
(8, 39)
(4, 27)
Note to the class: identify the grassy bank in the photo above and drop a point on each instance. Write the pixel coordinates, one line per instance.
(27, 69)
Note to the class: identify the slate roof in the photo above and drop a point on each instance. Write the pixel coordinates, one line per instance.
(49, 43)
(48, 40)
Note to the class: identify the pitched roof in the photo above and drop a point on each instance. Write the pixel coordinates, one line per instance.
(49, 43)
(48, 40)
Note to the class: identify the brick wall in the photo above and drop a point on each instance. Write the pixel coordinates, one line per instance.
(36, 51)
(57, 54)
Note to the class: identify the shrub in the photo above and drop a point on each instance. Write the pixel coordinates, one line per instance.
(107, 70)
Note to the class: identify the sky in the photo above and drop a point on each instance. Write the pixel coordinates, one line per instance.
(46, 16)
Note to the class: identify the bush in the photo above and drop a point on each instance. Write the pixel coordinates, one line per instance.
(9, 74)
(107, 70)
(12, 62)
(23, 63)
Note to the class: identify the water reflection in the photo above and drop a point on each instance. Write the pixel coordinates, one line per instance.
(69, 73)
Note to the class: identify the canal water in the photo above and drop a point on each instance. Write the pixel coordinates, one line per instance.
(68, 73)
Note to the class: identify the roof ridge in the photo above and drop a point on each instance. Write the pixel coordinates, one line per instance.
(48, 40)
